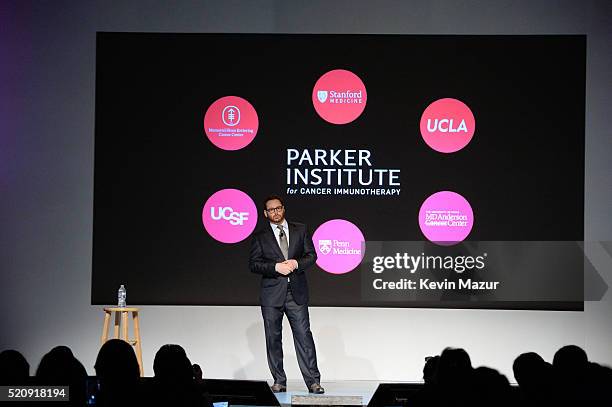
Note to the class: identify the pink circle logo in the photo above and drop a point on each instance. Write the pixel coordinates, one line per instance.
(339, 245)
(231, 123)
(339, 96)
(229, 216)
(446, 218)
(447, 125)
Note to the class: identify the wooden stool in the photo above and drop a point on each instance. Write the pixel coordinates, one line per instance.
(124, 331)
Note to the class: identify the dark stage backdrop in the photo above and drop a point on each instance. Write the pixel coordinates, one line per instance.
(155, 167)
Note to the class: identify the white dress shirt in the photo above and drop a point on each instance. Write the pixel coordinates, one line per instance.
(276, 232)
(285, 226)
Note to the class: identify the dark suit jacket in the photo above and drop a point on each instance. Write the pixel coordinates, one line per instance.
(265, 253)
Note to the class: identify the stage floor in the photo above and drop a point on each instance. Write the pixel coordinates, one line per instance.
(363, 388)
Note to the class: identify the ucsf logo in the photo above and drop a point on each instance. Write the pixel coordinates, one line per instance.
(228, 214)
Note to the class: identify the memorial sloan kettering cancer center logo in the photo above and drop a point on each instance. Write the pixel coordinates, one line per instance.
(231, 123)
(230, 115)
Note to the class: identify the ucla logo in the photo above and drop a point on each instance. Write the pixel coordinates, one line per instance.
(446, 126)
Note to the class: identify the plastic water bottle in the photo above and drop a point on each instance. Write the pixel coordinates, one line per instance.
(122, 296)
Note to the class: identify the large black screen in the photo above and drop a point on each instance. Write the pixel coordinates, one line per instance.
(522, 170)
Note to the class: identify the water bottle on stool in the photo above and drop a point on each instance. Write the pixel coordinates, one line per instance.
(122, 295)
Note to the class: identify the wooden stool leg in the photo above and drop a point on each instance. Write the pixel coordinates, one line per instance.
(137, 339)
(116, 327)
(124, 323)
(104, 336)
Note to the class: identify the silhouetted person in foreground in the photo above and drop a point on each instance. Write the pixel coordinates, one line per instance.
(535, 378)
(599, 379)
(580, 382)
(448, 380)
(430, 369)
(197, 373)
(570, 363)
(14, 368)
(454, 371)
(571, 380)
(426, 394)
(490, 388)
(119, 375)
(174, 380)
(59, 367)
(570, 367)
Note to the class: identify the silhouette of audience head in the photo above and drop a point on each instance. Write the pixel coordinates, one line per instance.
(430, 368)
(490, 388)
(14, 368)
(175, 381)
(116, 362)
(118, 374)
(531, 371)
(197, 373)
(171, 364)
(60, 366)
(570, 362)
(454, 367)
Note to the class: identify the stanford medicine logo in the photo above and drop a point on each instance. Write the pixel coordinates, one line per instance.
(447, 125)
(339, 96)
(231, 123)
(446, 218)
(229, 216)
(339, 245)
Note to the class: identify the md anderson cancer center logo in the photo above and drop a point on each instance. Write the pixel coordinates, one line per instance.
(339, 245)
(446, 218)
(339, 96)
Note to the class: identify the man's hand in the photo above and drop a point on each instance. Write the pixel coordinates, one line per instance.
(284, 268)
(293, 263)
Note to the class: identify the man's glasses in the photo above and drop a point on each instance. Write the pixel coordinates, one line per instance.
(277, 209)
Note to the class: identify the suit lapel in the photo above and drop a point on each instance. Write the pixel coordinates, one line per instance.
(273, 242)
(293, 238)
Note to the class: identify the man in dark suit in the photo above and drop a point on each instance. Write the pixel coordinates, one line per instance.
(281, 252)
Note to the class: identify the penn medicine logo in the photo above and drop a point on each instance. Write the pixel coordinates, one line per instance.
(340, 246)
(325, 246)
